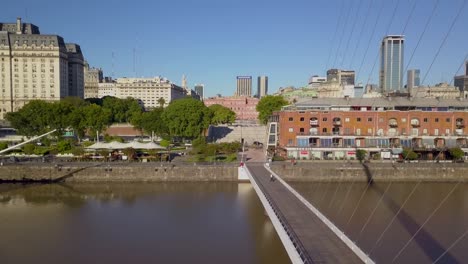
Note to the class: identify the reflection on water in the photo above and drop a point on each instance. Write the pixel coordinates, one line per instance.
(383, 217)
(136, 223)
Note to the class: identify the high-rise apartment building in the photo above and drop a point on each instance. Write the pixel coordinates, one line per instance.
(413, 79)
(262, 86)
(200, 90)
(244, 86)
(36, 66)
(391, 64)
(343, 77)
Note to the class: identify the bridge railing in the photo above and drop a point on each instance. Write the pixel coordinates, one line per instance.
(288, 229)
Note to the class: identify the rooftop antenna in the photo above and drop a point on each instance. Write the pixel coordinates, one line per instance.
(113, 64)
(134, 71)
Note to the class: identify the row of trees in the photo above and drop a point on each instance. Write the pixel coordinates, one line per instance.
(185, 118)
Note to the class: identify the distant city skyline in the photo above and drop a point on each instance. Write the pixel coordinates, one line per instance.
(128, 41)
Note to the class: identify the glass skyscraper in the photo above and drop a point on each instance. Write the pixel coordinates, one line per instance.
(391, 64)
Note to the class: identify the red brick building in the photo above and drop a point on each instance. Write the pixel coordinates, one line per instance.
(334, 127)
(244, 107)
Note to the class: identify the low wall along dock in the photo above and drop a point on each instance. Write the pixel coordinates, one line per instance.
(302, 171)
(378, 171)
(116, 172)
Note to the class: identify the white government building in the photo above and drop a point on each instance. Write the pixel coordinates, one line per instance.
(36, 66)
(147, 90)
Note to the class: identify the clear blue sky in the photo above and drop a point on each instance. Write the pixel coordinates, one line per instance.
(213, 41)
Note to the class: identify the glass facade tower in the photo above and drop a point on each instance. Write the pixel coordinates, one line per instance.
(391, 64)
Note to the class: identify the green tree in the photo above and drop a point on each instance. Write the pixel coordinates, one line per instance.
(267, 105)
(457, 153)
(152, 122)
(361, 154)
(161, 102)
(122, 110)
(186, 118)
(222, 115)
(96, 118)
(32, 119)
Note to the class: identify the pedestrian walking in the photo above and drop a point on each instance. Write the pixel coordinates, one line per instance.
(271, 177)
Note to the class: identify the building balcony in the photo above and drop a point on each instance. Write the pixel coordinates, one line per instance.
(392, 123)
(337, 123)
(314, 122)
(415, 123)
(460, 124)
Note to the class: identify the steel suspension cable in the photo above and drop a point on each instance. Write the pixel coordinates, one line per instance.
(334, 34)
(425, 222)
(351, 34)
(360, 34)
(395, 216)
(451, 246)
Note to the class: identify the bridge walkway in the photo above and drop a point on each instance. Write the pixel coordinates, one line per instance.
(321, 244)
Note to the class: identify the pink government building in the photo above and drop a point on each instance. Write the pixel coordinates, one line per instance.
(244, 107)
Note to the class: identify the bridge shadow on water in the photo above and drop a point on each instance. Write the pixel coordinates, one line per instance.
(429, 245)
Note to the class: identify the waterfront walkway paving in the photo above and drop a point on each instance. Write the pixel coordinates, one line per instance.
(322, 245)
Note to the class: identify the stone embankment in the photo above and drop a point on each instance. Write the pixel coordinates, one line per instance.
(102, 172)
(378, 171)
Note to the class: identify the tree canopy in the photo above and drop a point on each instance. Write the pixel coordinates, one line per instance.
(151, 122)
(222, 115)
(186, 118)
(267, 105)
(38, 117)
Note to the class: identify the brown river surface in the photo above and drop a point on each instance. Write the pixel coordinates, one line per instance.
(223, 222)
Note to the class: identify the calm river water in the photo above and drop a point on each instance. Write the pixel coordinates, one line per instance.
(222, 222)
(398, 222)
(136, 223)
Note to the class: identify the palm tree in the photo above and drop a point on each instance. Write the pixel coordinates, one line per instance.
(161, 102)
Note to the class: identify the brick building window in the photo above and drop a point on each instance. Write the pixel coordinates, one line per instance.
(369, 119)
(447, 120)
(301, 130)
(437, 120)
(358, 119)
(290, 141)
(302, 118)
(324, 130)
(425, 120)
(324, 119)
(291, 119)
(291, 129)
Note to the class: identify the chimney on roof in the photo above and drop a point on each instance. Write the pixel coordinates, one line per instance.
(18, 26)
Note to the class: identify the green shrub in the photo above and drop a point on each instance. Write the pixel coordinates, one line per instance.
(278, 158)
(457, 153)
(28, 149)
(3, 145)
(409, 154)
(361, 154)
(63, 146)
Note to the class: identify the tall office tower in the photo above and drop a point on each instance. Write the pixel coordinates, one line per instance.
(35, 66)
(262, 86)
(200, 90)
(391, 64)
(413, 79)
(75, 70)
(343, 77)
(244, 86)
